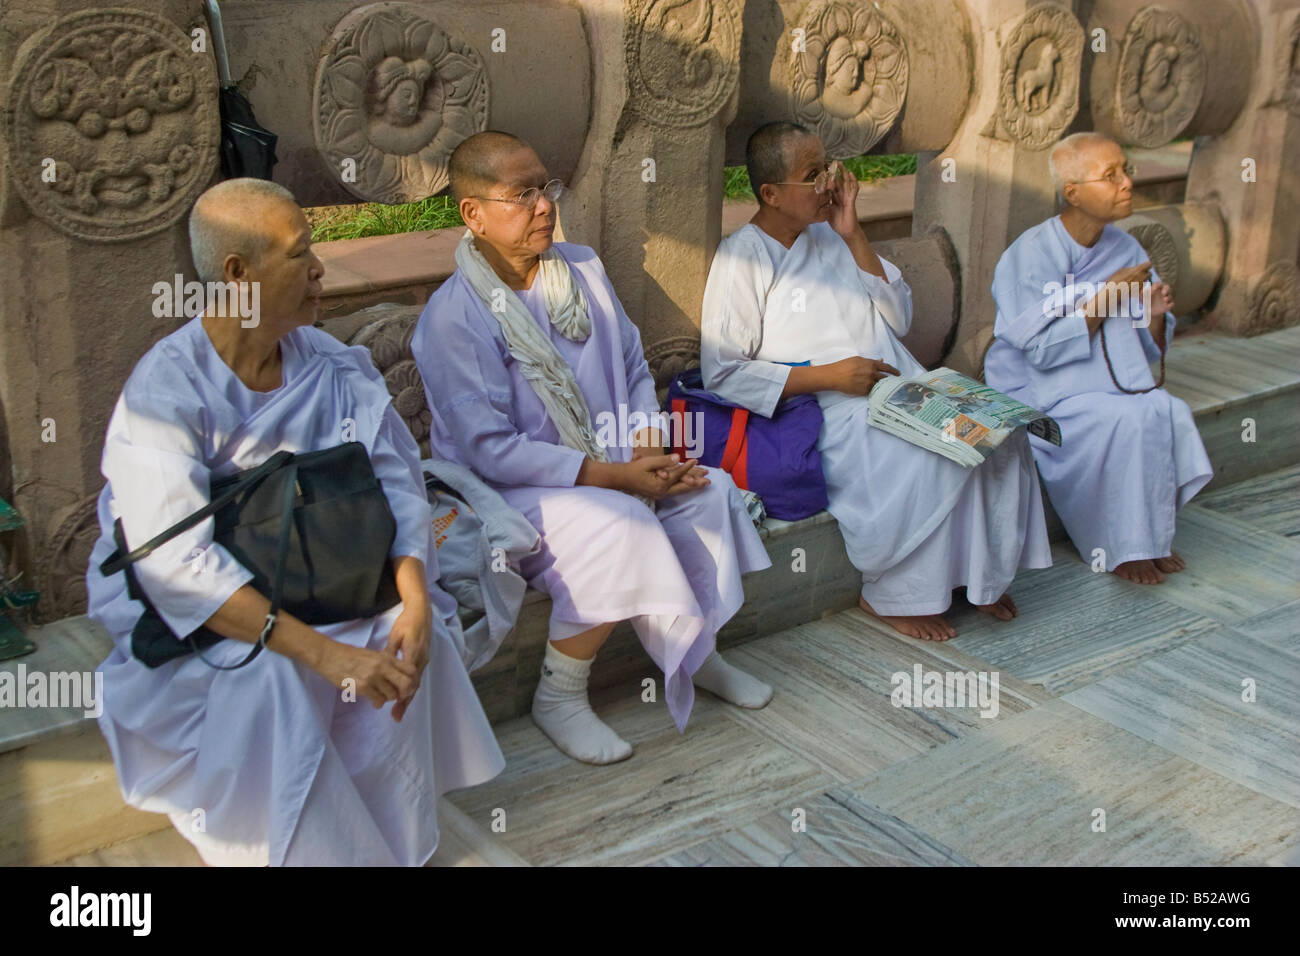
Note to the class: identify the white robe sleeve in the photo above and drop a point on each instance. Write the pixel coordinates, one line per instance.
(891, 295)
(153, 463)
(1033, 319)
(732, 332)
(396, 460)
(469, 385)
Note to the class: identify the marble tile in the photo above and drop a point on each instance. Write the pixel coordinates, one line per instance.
(832, 686)
(1275, 447)
(1024, 791)
(71, 645)
(1270, 502)
(1189, 701)
(674, 790)
(840, 830)
(1234, 569)
(1075, 626)
(462, 842)
(1279, 627)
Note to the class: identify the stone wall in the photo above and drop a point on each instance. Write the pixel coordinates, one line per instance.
(111, 126)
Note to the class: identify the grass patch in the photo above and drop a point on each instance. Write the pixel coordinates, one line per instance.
(735, 182)
(378, 219)
(440, 212)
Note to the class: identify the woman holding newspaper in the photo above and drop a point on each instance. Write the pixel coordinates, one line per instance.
(801, 282)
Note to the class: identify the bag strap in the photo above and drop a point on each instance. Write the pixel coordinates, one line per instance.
(116, 562)
(679, 433)
(734, 453)
(277, 583)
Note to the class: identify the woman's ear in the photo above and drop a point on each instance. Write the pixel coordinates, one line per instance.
(234, 268)
(471, 210)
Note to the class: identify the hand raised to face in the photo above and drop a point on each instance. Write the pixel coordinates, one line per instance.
(844, 187)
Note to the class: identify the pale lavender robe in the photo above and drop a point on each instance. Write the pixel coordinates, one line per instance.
(916, 524)
(281, 768)
(1126, 463)
(675, 572)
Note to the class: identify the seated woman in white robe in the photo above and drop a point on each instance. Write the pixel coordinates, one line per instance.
(333, 745)
(800, 283)
(1071, 340)
(530, 366)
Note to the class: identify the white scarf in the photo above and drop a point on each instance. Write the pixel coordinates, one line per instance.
(542, 365)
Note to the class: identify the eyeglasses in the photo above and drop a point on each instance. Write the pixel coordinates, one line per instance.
(1115, 176)
(820, 182)
(528, 198)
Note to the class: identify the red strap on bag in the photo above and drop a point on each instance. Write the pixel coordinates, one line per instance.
(679, 436)
(735, 457)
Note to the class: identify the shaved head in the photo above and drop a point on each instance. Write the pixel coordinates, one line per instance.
(768, 153)
(226, 220)
(475, 164)
(1072, 159)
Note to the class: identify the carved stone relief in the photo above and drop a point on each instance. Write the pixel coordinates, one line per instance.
(394, 96)
(1038, 89)
(682, 59)
(61, 572)
(1160, 247)
(849, 81)
(1161, 78)
(112, 124)
(669, 357)
(1275, 299)
(389, 341)
(1286, 67)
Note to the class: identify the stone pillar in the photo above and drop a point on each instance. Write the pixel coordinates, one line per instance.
(991, 183)
(648, 191)
(97, 185)
(1250, 173)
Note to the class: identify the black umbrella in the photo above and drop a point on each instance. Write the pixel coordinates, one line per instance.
(247, 148)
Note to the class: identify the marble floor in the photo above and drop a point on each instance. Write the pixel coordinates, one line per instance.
(1123, 733)
(1133, 726)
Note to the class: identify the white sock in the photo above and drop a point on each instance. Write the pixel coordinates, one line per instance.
(731, 683)
(561, 710)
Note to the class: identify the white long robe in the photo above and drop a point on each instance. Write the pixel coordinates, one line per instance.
(268, 764)
(675, 571)
(914, 523)
(1126, 463)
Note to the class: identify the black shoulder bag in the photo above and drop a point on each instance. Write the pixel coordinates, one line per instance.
(314, 529)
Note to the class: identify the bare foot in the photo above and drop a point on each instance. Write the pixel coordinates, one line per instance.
(923, 627)
(1004, 609)
(1140, 572)
(1171, 564)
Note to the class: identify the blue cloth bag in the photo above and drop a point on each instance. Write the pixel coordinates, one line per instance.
(776, 458)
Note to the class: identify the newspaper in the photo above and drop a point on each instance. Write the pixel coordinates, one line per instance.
(955, 416)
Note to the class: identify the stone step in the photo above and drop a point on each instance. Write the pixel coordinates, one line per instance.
(58, 791)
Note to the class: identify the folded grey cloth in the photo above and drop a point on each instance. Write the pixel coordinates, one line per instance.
(480, 539)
